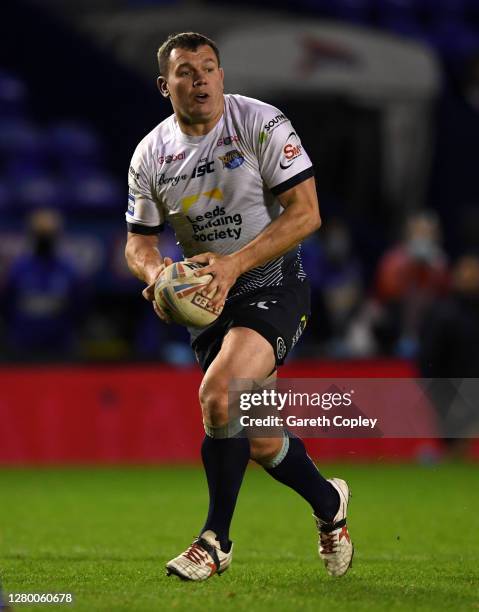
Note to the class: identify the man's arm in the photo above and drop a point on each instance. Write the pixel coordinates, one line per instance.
(143, 256)
(146, 263)
(299, 219)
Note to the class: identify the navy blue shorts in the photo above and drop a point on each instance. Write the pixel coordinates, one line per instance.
(279, 314)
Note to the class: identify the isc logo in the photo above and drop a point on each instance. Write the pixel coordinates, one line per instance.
(203, 169)
(290, 151)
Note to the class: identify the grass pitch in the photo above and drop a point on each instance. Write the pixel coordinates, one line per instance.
(105, 535)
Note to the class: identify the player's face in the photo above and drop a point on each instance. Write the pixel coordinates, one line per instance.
(195, 86)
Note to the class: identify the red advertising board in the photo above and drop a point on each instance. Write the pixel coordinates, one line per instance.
(147, 414)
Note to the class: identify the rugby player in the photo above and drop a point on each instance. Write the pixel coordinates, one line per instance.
(230, 175)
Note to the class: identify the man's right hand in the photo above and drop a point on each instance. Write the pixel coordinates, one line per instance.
(149, 291)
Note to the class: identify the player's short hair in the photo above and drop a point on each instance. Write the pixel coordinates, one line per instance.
(184, 40)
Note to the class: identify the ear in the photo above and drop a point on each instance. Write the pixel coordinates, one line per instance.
(222, 73)
(163, 86)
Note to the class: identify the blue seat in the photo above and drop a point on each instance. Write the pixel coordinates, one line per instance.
(13, 95)
(26, 164)
(18, 135)
(73, 139)
(21, 149)
(98, 191)
(74, 149)
(72, 168)
(40, 192)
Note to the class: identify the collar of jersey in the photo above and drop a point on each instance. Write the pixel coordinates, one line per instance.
(179, 135)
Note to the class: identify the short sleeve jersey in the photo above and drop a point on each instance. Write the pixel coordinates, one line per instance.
(219, 191)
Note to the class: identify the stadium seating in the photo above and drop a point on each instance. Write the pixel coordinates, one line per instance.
(60, 165)
(12, 95)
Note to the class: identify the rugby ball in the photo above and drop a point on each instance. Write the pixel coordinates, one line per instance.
(177, 292)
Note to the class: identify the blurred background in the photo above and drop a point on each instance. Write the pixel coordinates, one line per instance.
(385, 96)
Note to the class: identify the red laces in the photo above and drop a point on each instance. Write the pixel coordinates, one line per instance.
(195, 553)
(328, 543)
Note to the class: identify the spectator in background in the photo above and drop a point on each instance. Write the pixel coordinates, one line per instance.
(337, 288)
(470, 81)
(409, 277)
(41, 297)
(449, 350)
(449, 339)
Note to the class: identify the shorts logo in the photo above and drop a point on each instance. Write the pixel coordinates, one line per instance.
(232, 159)
(291, 150)
(280, 348)
(168, 159)
(262, 305)
(297, 335)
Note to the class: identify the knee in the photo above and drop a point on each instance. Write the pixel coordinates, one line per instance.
(264, 450)
(213, 397)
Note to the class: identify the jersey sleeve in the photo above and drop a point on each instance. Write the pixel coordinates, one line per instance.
(283, 162)
(144, 215)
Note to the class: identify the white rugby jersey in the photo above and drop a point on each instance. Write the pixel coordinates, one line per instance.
(219, 191)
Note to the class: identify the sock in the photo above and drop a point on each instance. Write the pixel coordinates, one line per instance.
(296, 470)
(225, 461)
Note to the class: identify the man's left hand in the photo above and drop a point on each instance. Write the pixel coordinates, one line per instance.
(224, 269)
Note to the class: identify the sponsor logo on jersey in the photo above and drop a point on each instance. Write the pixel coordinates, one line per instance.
(171, 180)
(227, 140)
(168, 159)
(188, 201)
(280, 348)
(131, 204)
(203, 168)
(216, 225)
(291, 151)
(274, 123)
(134, 174)
(232, 159)
(213, 224)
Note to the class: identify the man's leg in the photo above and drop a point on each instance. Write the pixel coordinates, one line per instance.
(244, 354)
(293, 467)
(287, 461)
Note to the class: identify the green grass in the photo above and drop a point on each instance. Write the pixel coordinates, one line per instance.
(105, 535)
